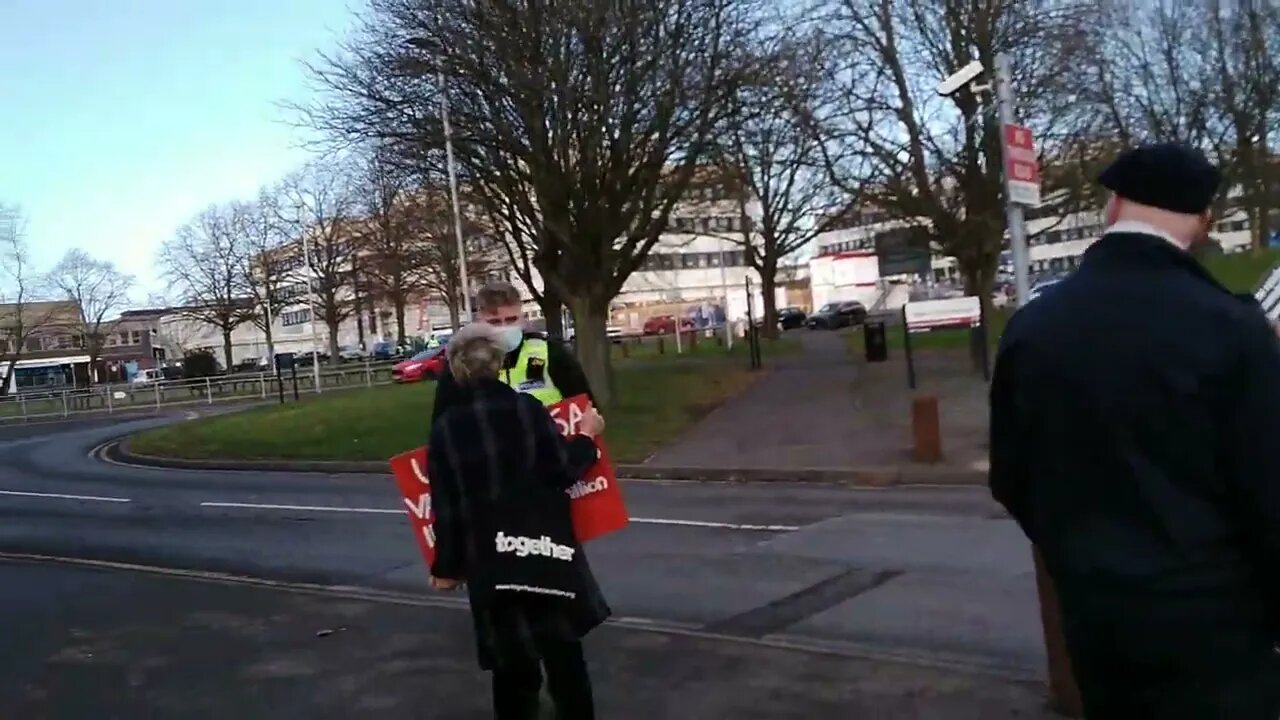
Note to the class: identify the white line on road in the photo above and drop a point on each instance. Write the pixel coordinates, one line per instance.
(397, 511)
(60, 496)
(304, 508)
(718, 525)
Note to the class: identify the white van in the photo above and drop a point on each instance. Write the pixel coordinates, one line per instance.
(148, 376)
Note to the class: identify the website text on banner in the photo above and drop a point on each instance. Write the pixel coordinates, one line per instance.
(595, 501)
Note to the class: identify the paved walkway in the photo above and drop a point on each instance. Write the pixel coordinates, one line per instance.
(83, 643)
(822, 408)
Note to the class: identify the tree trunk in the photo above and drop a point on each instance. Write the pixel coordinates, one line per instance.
(271, 345)
(552, 312)
(768, 293)
(226, 349)
(979, 280)
(400, 303)
(591, 341)
(333, 343)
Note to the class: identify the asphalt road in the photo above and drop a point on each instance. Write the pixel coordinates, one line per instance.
(105, 644)
(933, 576)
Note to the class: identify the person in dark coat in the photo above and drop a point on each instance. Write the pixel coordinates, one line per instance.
(1135, 413)
(497, 461)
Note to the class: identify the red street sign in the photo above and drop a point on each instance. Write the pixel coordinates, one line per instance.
(1021, 167)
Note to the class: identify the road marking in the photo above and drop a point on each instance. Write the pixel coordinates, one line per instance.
(795, 643)
(302, 508)
(717, 525)
(60, 496)
(397, 511)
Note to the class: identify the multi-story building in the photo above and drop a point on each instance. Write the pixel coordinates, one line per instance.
(846, 265)
(53, 356)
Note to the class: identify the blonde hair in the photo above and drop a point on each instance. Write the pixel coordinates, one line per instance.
(496, 295)
(475, 354)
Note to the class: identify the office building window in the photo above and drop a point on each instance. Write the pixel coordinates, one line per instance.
(295, 317)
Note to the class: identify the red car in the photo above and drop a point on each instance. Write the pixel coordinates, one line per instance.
(426, 365)
(665, 325)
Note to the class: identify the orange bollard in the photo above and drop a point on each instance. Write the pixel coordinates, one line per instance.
(926, 430)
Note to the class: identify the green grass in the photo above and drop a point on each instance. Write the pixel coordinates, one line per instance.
(656, 402)
(1242, 272)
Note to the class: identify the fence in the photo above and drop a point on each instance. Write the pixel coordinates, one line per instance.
(136, 398)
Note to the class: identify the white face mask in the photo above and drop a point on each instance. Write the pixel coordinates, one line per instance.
(510, 337)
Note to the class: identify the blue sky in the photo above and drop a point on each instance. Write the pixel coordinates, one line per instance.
(120, 119)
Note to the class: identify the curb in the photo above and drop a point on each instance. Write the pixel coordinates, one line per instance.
(869, 477)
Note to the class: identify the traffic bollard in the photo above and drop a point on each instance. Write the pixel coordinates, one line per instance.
(926, 430)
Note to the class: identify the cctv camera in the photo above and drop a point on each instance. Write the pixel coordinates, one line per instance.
(960, 78)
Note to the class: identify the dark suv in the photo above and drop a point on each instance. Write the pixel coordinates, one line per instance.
(790, 318)
(837, 315)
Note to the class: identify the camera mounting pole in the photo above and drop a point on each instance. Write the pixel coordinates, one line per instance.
(1013, 211)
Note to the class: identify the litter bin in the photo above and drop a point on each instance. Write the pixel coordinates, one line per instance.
(875, 341)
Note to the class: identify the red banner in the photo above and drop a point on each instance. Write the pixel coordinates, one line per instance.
(595, 501)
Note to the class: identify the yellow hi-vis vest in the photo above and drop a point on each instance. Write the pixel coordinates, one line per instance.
(532, 373)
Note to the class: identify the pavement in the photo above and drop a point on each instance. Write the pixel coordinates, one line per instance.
(101, 643)
(823, 409)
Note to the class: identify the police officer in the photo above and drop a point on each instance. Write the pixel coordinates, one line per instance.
(535, 365)
(1135, 413)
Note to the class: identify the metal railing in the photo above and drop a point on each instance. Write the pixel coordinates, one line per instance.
(154, 396)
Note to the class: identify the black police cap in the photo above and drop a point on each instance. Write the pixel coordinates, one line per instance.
(1169, 176)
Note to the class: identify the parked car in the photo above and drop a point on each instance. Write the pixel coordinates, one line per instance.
(837, 315)
(308, 358)
(353, 353)
(385, 350)
(426, 365)
(665, 325)
(790, 318)
(613, 332)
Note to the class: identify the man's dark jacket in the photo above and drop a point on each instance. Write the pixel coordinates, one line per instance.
(563, 368)
(1135, 437)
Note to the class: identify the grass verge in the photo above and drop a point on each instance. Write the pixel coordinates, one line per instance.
(656, 402)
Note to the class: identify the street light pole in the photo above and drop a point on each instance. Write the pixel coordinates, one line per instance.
(453, 193)
(1013, 211)
(425, 45)
(724, 289)
(311, 307)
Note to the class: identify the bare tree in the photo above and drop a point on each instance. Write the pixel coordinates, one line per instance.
(204, 266)
(935, 163)
(319, 211)
(1204, 74)
(395, 254)
(100, 291)
(265, 262)
(441, 270)
(23, 315)
(1245, 42)
(772, 158)
(587, 119)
